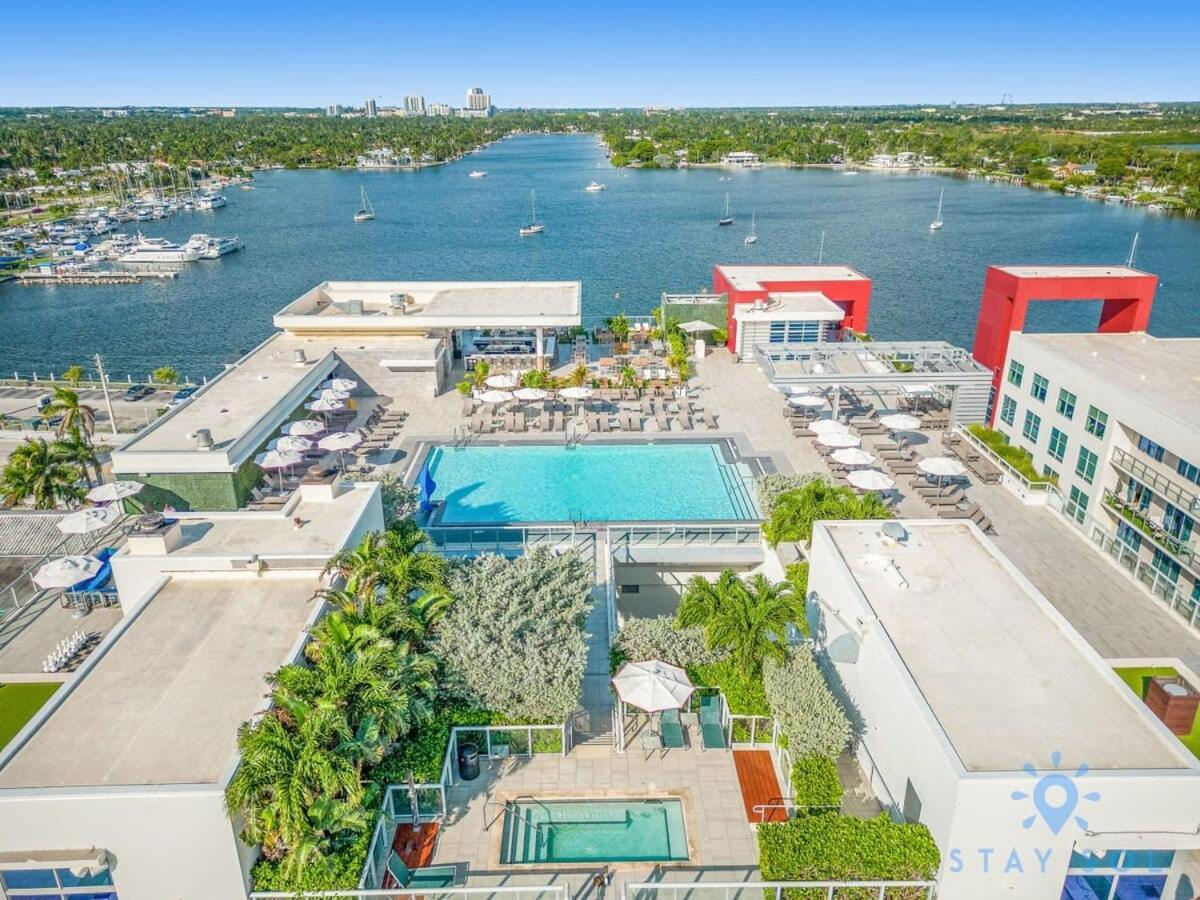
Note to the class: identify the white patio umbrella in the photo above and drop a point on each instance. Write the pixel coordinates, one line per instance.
(341, 441)
(527, 394)
(899, 422)
(806, 401)
(501, 382)
(576, 393)
(290, 443)
(303, 427)
(916, 390)
(496, 396)
(88, 520)
(853, 456)
(941, 467)
(66, 571)
(697, 326)
(339, 396)
(653, 685)
(277, 459)
(342, 385)
(325, 405)
(870, 480)
(114, 490)
(828, 426)
(838, 440)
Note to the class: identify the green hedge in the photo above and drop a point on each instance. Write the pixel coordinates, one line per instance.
(1017, 457)
(841, 848)
(337, 871)
(816, 783)
(743, 690)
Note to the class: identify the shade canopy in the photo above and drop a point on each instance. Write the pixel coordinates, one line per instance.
(941, 467)
(278, 459)
(325, 404)
(303, 427)
(88, 520)
(502, 382)
(916, 390)
(290, 443)
(653, 685)
(339, 396)
(807, 401)
(870, 480)
(114, 490)
(697, 326)
(838, 440)
(900, 422)
(828, 426)
(495, 396)
(340, 440)
(576, 393)
(853, 456)
(66, 571)
(342, 385)
(530, 394)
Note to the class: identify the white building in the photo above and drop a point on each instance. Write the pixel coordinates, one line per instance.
(333, 109)
(1116, 417)
(414, 105)
(370, 110)
(962, 674)
(742, 159)
(477, 100)
(118, 782)
(440, 109)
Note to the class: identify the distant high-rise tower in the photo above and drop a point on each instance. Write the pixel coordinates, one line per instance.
(333, 109)
(414, 105)
(370, 110)
(478, 100)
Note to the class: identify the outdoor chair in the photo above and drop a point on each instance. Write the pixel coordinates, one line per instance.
(603, 423)
(559, 423)
(430, 878)
(670, 730)
(958, 512)
(684, 420)
(544, 420)
(710, 420)
(661, 418)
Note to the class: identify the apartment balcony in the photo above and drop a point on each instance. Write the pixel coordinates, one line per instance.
(1154, 582)
(1183, 552)
(1154, 477)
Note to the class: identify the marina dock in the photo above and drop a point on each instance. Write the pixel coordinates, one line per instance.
(92, 277)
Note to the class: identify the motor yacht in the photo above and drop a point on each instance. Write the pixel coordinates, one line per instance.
(158, 250)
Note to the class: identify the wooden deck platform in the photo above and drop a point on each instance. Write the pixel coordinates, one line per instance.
(416, 847)
(756, 775)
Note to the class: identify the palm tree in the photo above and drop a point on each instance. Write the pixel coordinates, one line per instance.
(76, 416)
(77, 451)
(753, 623)
(794, 512)
(360, 566)
(702, 598)
(35, 470)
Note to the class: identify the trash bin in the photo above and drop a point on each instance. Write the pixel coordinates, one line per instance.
(468, 762)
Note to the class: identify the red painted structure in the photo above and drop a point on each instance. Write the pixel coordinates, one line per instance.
(849, 289)
(1127, 296)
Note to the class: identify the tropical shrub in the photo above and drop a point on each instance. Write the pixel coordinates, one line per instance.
(165, 375)
(338, 870)
(747, 616)
(73, 375)
(769, 487)
(809, 714)
(513, 641)
(1017, 457)
(816, 783)
(399, 499)
(797, 579)
(743, 690)
(40, 472)
(841, 848)
(793, 513)
(659, 638)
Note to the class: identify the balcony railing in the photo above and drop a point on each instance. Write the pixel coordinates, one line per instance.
(1162, 485)
(1183, 551)
(1155, 582)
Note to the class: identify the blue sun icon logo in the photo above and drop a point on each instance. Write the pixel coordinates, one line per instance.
(1055, 796)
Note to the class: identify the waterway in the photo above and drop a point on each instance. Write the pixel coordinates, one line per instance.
(650, 231)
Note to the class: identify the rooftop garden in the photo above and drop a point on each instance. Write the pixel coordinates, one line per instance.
(19, 702)
(792, 504)
(1138, 678)
(413, 646)
(1018, 458)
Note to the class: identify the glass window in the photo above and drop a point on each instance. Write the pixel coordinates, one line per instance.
(1039, 387)
(1066, 404)
(1129, 536)
(1177, 523)
(1136, 492)
(1088, 887)
(1050, 473)
(1148, 859)
(1085, 465)
(1033, 424)
(1077, 505)
(1165, 566)
(29, 878)
(777, 334)
(1097, 422)
(1008, 410)
(1188, 471)
(1058, 444)
(1150, 448)
(1106, 860)
(1016, 372)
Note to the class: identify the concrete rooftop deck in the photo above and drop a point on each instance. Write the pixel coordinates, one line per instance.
(32, 634)
(163, 704)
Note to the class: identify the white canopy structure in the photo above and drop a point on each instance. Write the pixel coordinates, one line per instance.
(501, 382)
(114, 490)
(838, 440)
(900, 422)
(870, 480)
(828, 426)
(653, 685)
(852, 456)
(303, 427)
(66, 571)
(88, 520)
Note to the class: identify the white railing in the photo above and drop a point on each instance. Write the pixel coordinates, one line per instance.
(560, 891)
(716, 534)
(762, 890)
(470, 540)
(1154, 582)
(764, 730)
(1032, 487)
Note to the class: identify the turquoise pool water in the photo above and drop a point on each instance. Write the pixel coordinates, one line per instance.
(586, 831)
(671, 481)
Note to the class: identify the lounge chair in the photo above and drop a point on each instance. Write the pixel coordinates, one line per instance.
(558, 423)
(951, 499)
(958, 512)
(401, 877)
(603, 422)
(661, 418)
(684, 420)
(543, 421)
(647, 406)
(710, 420)
(671, 730)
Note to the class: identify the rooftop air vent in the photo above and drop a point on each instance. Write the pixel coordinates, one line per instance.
(354, 307)
(204, 440)
(895, 532)
(298, 357)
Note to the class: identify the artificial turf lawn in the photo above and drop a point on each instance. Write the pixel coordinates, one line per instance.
(18, 704)
(1134, 677)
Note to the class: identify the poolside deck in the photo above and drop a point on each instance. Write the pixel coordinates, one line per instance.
(756, 775)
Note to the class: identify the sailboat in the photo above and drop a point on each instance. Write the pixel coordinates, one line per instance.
(534, 227)
(936, 224)
(366, 211)
(751, 238)
(727, 218)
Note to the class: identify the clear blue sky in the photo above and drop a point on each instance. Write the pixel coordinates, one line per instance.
(598, 54)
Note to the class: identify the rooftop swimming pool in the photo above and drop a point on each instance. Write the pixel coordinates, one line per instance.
(587, 831)
(666, 481)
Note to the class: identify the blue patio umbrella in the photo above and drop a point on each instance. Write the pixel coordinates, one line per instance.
(428, 486)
